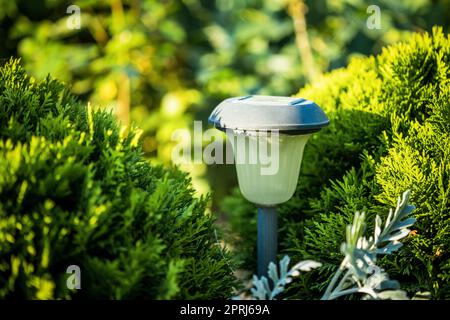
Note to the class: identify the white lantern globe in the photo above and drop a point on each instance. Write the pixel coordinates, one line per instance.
(268, 135)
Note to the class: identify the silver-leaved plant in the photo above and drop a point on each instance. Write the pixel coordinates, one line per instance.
(280, 278)
(358, 272)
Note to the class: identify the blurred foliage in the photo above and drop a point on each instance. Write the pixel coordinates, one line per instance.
(170, 62)
(389, 131)
(76, 190)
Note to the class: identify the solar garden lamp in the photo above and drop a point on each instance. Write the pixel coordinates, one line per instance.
(268, 135)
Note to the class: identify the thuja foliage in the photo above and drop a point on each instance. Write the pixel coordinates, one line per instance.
(358, 272)
(76, 190)
(389, 131)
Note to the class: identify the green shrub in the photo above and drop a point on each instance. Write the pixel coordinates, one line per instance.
(389, 132)
(76, 190)
(358, 273)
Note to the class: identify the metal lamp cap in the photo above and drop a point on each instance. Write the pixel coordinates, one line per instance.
(254, 112)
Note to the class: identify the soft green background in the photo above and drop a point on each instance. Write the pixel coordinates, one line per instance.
(172, 61)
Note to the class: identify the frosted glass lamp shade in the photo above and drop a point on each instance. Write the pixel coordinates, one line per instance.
(291, 119)
(268, 181)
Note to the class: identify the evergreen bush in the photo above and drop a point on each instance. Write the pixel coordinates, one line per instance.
(389, 131)
(76, 190)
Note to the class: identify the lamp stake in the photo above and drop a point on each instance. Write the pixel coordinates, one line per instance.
(267, 238)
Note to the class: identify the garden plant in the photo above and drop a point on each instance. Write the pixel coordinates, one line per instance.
(358, 272)
(75, 189)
